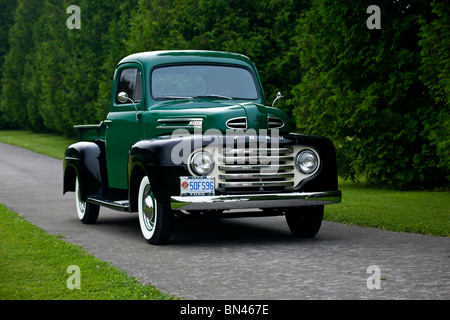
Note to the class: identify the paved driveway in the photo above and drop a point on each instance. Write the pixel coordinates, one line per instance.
(242, 258)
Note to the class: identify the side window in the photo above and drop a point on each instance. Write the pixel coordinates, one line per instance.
(130, 81)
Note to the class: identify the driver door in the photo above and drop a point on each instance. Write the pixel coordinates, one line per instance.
(123, 123)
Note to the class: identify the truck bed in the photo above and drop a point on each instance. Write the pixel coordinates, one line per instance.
(91, 132)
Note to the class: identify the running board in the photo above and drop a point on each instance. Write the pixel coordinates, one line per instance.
(120, 205)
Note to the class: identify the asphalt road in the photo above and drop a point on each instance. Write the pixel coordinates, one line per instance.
(242, 258)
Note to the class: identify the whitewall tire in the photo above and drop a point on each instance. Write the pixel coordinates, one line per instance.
(87, 212)
(155, 218)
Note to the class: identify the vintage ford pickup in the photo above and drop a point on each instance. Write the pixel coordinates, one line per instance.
(189, 133)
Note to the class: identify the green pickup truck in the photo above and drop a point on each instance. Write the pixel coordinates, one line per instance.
(189, 133)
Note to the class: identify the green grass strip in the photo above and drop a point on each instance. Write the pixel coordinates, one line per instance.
(423, 212)
(34, 266)
(43, 143)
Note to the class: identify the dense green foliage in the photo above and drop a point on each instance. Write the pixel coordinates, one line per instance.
(365, 89)
(382, 95)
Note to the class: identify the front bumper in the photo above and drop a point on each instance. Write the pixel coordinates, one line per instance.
(260, 201)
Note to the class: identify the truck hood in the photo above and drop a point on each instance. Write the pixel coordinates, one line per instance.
(221, 115)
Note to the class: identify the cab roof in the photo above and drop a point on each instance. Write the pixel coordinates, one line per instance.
(153, 58)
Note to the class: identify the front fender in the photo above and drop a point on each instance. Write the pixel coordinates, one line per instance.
(86, 161)
(155, 159)
(163, 160)
(327, 178)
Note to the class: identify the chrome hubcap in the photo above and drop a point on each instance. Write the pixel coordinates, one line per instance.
(148, 208)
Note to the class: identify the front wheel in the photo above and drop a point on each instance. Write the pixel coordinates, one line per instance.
(304, 222)
(155, 218)
(87, 212)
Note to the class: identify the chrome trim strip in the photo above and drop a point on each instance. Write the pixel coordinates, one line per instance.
(169, 120)
(274, 123)
(256, 167)
(264, 151)
(170, 123)
(176, 127)
(239, 125)
(248, 201)
(253, 159)
(256, 184)
(254, 176)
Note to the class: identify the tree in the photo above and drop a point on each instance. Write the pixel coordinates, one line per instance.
(13, 113)
(435, 39)
(116, 43)
(67, 65)
(361, 88)
(7, 9)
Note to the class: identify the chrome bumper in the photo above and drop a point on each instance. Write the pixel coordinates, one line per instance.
(261, 201)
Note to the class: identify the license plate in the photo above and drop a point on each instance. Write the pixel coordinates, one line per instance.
(197, 186)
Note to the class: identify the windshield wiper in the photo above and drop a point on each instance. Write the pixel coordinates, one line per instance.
(215, 96)
(174, 98)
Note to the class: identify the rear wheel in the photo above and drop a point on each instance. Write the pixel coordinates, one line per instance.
(155, 218)
(87, 212)
(304, 222)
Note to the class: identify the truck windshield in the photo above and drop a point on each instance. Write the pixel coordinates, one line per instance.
(203, 81)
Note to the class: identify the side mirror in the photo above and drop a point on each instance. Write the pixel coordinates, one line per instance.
(123, 97)
(278, 97)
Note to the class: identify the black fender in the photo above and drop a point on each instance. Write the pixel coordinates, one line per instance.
(163, 160)
(87, 161)
(326, 179)
(153, 159)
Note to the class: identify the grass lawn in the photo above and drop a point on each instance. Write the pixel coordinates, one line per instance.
(48, 144)
(34, 266)
(406, 211)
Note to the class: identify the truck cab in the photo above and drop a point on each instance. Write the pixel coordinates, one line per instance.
(190, 132)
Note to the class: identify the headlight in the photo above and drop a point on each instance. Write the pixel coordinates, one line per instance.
(307, 161)
(202, 163)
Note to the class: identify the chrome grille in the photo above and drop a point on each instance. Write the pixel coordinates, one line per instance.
(255, 169)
